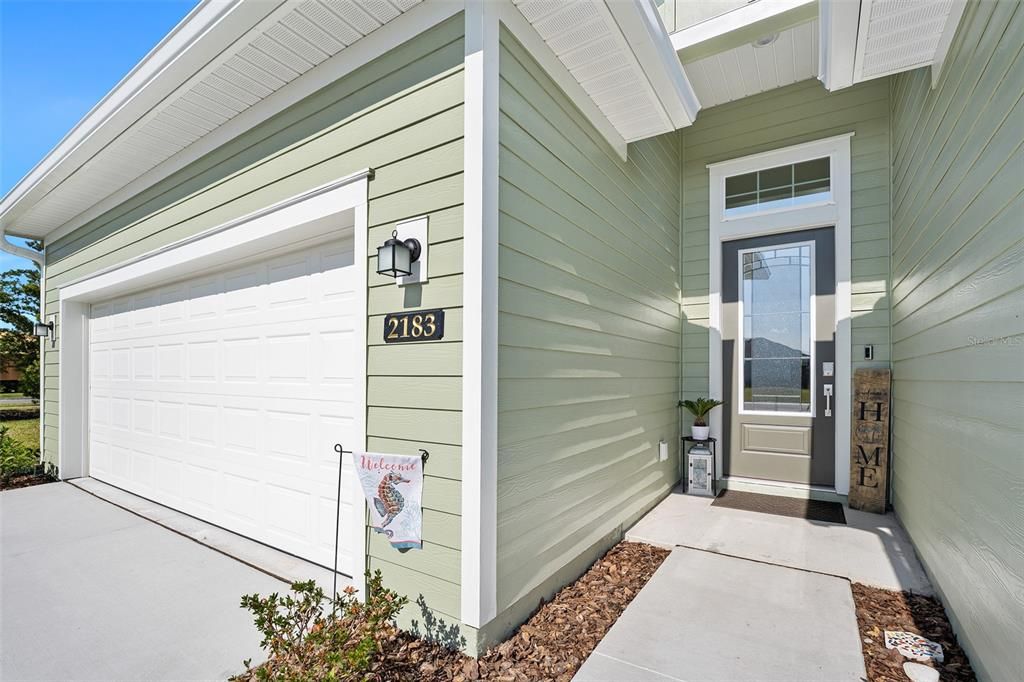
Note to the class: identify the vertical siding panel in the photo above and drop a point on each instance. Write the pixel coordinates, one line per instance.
(958, 291)
(588, 334)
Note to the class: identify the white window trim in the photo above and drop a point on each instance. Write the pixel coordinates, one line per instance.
(835, 213)
(280, 223)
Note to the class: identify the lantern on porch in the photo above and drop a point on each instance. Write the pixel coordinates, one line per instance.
(701, 466)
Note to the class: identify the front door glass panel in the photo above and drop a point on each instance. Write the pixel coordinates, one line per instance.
(776, 291)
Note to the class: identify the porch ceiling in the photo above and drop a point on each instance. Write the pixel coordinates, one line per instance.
(619, 52)
(765, 44)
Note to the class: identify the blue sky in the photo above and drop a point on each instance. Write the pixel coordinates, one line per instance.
(57, 60)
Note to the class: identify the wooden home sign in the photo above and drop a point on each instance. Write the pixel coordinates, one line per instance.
(869, 440)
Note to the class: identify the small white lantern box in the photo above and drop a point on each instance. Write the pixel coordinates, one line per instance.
(701, 467)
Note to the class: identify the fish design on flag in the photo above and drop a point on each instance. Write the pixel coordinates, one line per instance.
(389, 502)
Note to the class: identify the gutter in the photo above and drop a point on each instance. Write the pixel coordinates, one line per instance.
(20, 251)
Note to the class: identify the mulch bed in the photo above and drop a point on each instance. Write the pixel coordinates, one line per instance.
(880, 610)
(25, 480)
(551, 645)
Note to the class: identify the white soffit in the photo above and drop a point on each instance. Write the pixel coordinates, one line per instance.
(900, 35)
(747, 70)
(620, 54)
(891, 36)
(269, 44)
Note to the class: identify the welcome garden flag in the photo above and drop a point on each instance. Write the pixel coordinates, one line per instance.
(393, 487)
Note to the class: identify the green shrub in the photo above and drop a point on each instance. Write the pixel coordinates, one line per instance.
(309, 636)
(15, 458)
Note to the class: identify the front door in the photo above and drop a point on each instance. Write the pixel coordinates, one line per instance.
(778, 357)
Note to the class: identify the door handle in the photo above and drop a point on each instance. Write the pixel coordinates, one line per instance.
(828, 399)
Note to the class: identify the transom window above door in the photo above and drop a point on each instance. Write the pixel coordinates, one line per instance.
(789, 186)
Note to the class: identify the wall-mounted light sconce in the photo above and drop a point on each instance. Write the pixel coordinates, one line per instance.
(404, 256)
(45, 330)
(396, 256)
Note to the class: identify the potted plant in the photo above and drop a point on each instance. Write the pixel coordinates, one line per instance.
(700, 408)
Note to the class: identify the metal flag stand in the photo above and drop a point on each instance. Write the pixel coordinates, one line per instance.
(424, 456)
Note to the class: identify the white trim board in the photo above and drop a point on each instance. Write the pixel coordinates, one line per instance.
(479, 546)
(833, 213)
(306, 216)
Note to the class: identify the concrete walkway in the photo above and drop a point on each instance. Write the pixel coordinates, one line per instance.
(89, 591)
(704, 616)
(873, 549)
(750, 596)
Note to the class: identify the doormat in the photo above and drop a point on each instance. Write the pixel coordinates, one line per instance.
(813, 510)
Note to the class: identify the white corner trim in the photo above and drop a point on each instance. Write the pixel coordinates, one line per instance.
(733, 20)
(403, 28)
(647, 37)
(839, 26)
(956, 13)
(480, 317)
(835, 213)
(526, 34)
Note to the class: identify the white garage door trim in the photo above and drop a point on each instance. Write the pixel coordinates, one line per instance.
(297, 219)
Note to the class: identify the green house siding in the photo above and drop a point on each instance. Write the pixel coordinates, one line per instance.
(798, 113)
(958, 330)
(402, 116)
(588, 333)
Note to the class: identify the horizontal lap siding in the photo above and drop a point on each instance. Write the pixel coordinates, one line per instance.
(588, 331)
(798, 113)
(402, 116)
(958, 331)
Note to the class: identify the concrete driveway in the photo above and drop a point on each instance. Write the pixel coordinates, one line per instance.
(89, 591)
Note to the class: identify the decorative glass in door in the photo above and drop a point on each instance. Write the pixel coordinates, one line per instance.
(776, 292)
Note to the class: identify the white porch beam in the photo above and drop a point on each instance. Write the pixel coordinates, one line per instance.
(839, 25)
(739, 18)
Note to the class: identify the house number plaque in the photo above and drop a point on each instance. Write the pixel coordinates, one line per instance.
(419, 325)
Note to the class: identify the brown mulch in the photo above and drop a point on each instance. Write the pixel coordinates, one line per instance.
(25, 480)
(880, 610)
(552, 644)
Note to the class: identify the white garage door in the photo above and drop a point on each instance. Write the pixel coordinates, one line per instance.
(222, 396)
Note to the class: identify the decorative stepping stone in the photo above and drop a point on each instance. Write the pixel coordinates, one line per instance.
(918, 672)
(913, 646)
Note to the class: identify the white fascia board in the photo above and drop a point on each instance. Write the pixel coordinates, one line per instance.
(526, 34)
(203, 34)
(646, 35)
(956, 12)
(403, 28)
(734, 20)
(839, 24)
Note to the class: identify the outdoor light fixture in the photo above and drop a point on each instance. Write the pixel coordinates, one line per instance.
(765, 41)
(44, 330)
(395, 257)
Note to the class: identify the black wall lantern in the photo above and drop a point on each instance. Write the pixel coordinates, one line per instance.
(395, 257)
(44, 330)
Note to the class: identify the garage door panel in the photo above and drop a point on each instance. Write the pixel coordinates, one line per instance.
(223, 397)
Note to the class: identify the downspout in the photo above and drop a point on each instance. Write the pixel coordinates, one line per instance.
(20, 251)
(37, 258)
